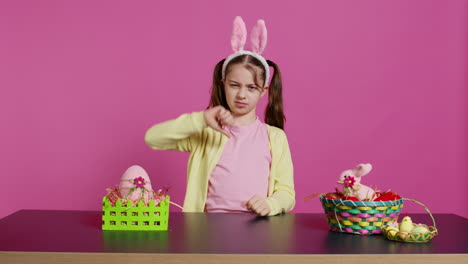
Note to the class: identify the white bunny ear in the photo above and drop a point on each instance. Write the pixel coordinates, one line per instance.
(362, 169)
(258, 37)
(239, 34)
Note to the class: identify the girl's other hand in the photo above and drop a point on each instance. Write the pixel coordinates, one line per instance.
(218, 118)
(258, 205)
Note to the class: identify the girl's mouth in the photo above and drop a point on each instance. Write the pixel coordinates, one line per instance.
(239, 104)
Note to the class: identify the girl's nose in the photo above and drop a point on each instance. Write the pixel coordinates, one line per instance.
(241, 93)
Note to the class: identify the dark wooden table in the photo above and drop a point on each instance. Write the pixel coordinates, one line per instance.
(47, 236)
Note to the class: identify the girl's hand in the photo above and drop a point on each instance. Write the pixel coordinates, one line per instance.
(258, 205)
(217, 118)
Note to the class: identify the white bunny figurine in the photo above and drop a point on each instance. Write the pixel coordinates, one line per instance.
(351, 179)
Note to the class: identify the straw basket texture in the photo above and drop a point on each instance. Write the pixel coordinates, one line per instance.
(414, 236)
(360, 217)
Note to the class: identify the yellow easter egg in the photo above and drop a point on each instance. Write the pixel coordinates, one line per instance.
(392, 230)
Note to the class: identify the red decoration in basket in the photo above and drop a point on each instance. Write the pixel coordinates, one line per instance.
(350, 198)
(340, 196)
(335, 195)
(387, 196)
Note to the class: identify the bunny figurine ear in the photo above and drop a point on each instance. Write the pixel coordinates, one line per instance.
(258, 37)
(362, 169)
(239, 34)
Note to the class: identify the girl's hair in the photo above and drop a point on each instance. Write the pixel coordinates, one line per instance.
(274, 115)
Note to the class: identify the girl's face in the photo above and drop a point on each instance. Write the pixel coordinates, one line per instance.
(242, 94)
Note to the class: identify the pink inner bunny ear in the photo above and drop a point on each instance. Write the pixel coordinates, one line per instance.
(258, 37)
(239, 34)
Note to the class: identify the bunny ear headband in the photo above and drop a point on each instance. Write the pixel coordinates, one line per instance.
(258, 40)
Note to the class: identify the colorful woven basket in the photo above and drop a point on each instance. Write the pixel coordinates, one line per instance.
(360, 217)
(413, 237)
(138, 216)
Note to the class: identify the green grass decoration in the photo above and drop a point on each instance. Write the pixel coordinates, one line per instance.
(135, 217)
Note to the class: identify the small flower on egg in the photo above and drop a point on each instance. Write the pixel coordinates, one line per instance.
(349, 181)
(139, 182)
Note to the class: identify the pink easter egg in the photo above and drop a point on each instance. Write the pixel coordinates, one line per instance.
(136, 177)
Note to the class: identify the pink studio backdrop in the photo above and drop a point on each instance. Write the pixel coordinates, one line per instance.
(382, 82)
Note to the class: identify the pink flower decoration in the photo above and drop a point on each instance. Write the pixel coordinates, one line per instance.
(349, 181)
(139, 182)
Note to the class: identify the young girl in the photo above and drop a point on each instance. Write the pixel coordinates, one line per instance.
(237, 163)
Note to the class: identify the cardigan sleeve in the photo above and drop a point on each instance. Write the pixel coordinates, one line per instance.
(283, 198)
(180, 134)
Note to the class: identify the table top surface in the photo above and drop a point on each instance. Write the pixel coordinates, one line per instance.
(221, 233)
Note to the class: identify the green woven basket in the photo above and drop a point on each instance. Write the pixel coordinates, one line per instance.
(360, 217)
(135, 217)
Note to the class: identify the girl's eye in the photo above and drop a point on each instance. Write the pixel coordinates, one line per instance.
(253, 87)
(234, 85)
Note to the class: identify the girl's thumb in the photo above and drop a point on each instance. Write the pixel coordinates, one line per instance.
(221, 129)
(225, 132)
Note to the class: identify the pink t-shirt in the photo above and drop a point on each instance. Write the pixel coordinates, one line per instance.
(242, 170)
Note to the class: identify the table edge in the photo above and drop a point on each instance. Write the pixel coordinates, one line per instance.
(143, 258)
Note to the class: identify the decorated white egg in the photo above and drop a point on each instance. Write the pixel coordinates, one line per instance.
(135, 184)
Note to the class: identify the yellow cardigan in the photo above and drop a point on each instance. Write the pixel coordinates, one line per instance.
(189, 133)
